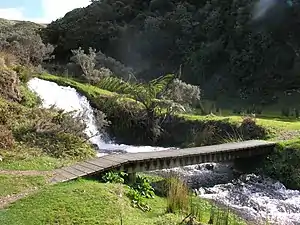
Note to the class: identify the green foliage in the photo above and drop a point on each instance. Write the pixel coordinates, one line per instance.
(22, 40)
(87, 65)
(114, 177)
(143, 186)
(137, 200)
(219, 44)
(116, 67)
(57, 133)
(29, 98)
(183, 93)
(283, 164)
(114, 84)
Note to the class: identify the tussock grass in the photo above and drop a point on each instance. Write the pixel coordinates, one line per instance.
(178, 195)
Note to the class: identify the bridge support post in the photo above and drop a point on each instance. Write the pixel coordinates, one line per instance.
(132, 177)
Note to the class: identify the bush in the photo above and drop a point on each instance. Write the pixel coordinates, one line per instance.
(250, 130)
(183, 93)
(9, 85)
(6, 138)
(29, 98)
(87, 65)
(115, 66)
(56, 133)
(283, 164)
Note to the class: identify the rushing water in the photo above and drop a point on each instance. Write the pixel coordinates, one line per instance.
(254, 197)
(69, 99)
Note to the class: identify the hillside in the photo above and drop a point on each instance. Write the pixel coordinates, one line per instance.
(225, 47)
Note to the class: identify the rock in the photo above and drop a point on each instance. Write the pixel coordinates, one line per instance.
(209, 166)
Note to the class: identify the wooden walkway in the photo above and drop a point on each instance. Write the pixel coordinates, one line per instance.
(149, 161)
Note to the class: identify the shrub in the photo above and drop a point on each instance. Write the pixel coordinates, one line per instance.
(178, 195)
(87, 65)
(283, 164)
(6, 138)
(59, 145)
(26, 44)
(183, 93)
(115, 66)
(250, 130)
(9, 85)
(29, 98)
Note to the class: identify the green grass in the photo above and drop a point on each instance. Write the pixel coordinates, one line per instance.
(84, 88)
(275, 123)
(89, 202)
(13, 184)
(21, 157)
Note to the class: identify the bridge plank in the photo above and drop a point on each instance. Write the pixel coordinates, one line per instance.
(83, 169)
(115, 158)
(65, 174)
(74, 171)
(102, 162)
(91, 166)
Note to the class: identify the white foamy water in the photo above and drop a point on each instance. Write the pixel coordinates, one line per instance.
(69, 100)
(256, 198)
(259, 199)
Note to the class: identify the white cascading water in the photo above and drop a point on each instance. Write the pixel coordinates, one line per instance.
(254, 197)
(69, 99)
(259, 200)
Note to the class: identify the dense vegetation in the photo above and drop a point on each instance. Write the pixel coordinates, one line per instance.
(228, 47)
(141, 64)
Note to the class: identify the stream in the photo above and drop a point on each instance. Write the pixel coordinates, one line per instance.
(256, 198)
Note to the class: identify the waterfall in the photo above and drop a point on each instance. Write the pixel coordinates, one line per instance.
(69, 100)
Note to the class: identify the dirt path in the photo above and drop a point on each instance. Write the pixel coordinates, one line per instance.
(5, 201)
(26, 172)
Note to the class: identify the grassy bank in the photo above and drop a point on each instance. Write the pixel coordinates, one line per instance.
(274, 124)
(283, 164)
(91, 202)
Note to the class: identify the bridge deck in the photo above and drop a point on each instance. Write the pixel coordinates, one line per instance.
(163, 159)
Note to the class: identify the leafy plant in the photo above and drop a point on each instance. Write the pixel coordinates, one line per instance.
(114, 177)
(137, 200)
(143, 186)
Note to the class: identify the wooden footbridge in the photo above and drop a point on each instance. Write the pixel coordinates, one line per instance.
(149, 161)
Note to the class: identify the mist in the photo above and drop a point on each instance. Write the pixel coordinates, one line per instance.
(262, 7)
